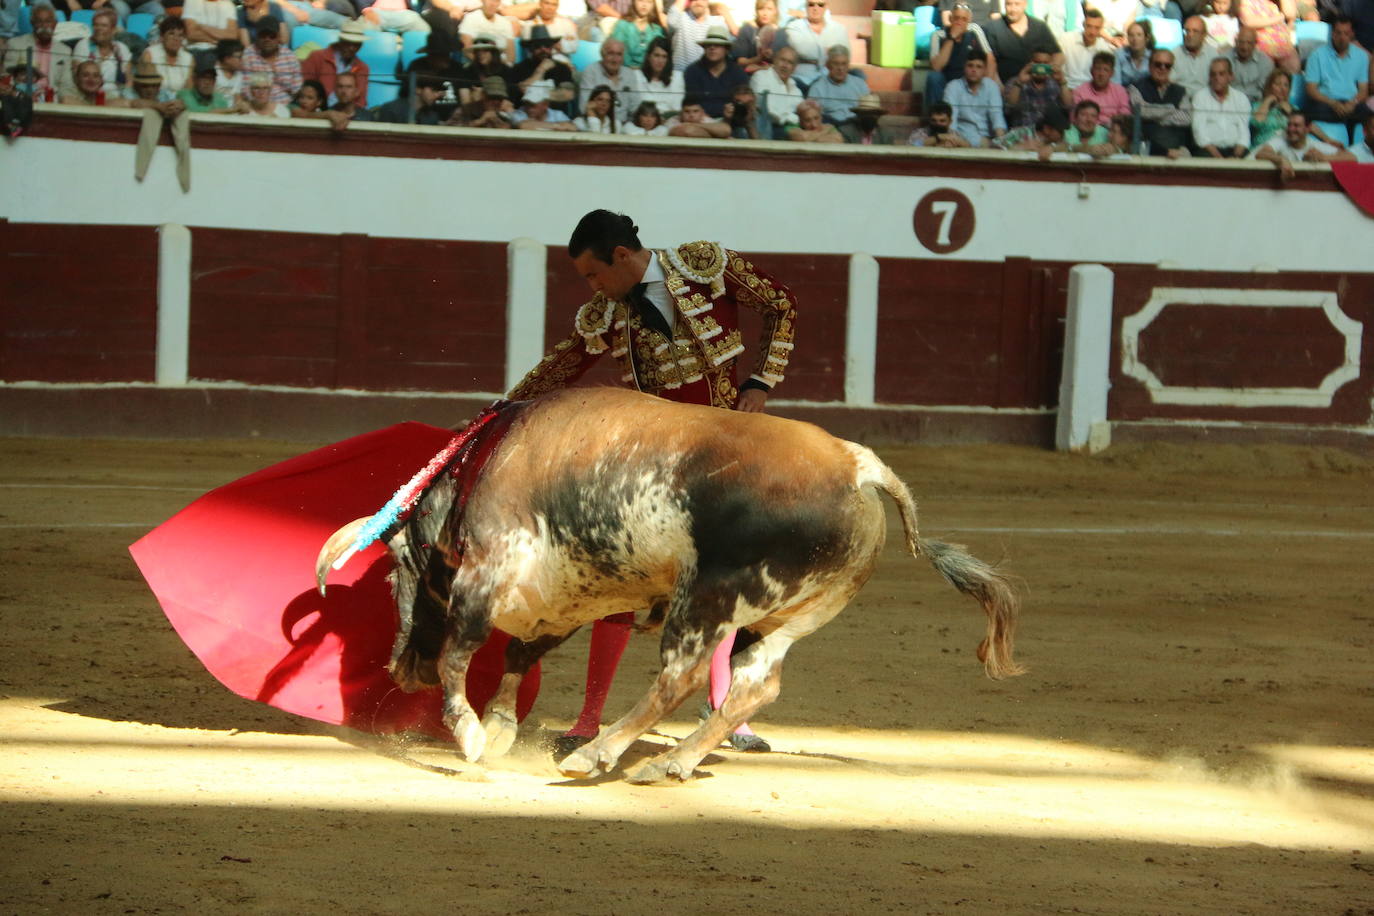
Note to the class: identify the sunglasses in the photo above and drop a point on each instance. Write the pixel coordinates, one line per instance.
(1161, 64)
(813, 3)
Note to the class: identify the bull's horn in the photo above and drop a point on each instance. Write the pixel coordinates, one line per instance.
(336, 549)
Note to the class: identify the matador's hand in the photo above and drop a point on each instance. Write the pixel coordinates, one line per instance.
(751, 400)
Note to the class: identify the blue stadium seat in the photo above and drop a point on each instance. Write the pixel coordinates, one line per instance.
(140, 24)
(925, 27)
(379, 92)
(1168, 32)
(381, 53)
(587, 53)
(1314, 33)
(85, 17)
(302, 34)
(412, 46)
(1299, 93)
(1336, 131)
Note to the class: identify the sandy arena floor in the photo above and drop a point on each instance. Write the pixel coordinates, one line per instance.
(1196, 734)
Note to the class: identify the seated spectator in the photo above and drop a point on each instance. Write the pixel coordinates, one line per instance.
(1222, 24)
(1015, 37)
(714, 76)
(488, 22)
(1221, 116)
(310, 100)
(647, 121)
(87, 85)
(977, 104)
(229, 69)
(324, 65)
(489, 109)
(742, 114)
(811, 126)
(1270, 115)
(1044, 139)
(1295, 145)
(1337, 78)
(1249, 70)
(939, 129)
(1118, 140)
(1192, 61)
(1087, 129)
(393, 16)
(201, 96)
(547, 17)
(169, 56)
(637, 28)
(693, 121)
(1117, 17)
(660, 82)
(1036, 89)
(688, 24)
(778, 93)
(437, 60)
(260, 12)
(1133, 58)
(485, 62)
(1109, 95)
(1164, 108)
(208, 22)
(535, 112)
(322, 14)
(864, 129)
(113, 57)
(539, 65)
(753, 48)
(813, 38)
(266, 56)
(347, 100)
(983, 13)
(839, 88)
(600, 112)
(149, 92)
(1272, 32)
(612, 73)
(262, 97)
(949, 48)
(1081, 48)
(160, 108)
(52, 59)
(419, 108)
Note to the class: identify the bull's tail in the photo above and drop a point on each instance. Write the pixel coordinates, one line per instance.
(970, 575)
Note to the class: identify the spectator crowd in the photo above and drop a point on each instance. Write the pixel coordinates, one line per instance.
(1244, 79)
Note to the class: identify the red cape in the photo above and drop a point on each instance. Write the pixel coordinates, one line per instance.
(235, 574)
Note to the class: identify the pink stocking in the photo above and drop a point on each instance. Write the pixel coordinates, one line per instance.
(720, 677)
(609, 638)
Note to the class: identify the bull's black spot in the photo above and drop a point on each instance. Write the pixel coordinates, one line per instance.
(586, 516)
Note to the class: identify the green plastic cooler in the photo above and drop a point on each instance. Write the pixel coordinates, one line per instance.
(894, 39)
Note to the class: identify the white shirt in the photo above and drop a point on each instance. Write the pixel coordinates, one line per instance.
(627, 85)
(213, 14)
(1280, 145)
(109, 66)
(176, 74)
(667, 96)
(231, 87)
(782, 98)
(811, 47)
(1078, 57)
(686, 32)
(498, 29)
(1223, 123)
(1191, 72)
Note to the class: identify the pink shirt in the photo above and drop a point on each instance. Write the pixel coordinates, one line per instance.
(1113, 100)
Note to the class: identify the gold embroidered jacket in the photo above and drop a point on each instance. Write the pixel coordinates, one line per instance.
(708, 285)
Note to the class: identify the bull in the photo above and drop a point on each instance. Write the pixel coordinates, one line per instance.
(601, 501)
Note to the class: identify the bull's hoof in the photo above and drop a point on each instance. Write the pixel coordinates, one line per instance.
(659, 770)
(564, 745)
(500, 728)
(580, 764)
(471, 737)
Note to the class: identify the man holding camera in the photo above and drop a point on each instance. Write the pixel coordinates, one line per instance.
(1035, 91)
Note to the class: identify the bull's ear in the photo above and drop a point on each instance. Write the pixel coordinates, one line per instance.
(335, 547)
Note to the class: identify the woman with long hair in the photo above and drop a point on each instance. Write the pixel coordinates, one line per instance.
(485, 55)
(640, 25)
(600, 115)
(1133, 58)
(310, 99)
(662, 84)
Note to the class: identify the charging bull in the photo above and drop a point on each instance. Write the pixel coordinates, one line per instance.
(601, 501)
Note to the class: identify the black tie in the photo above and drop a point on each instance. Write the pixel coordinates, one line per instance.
(648, 312)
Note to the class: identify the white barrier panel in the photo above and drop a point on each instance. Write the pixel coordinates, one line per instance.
(1084, 382)
(861, 331)
(173, 304)
(527, 264)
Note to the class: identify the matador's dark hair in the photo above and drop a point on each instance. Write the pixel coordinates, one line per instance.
(601, 232)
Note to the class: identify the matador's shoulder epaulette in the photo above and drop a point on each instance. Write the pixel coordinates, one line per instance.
(700, 262)
(593, 321)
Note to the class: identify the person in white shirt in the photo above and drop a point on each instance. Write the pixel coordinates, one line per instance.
(1080, 47)
(611, 72)
(114, 57)
(1221, 116)
(778, 93)
(229, 69)
(1193, 60)
(689, 25)
(1295, 145)
(812, 38)
(209, 22)
(646, 122)
(488, 21)
(660, 83)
